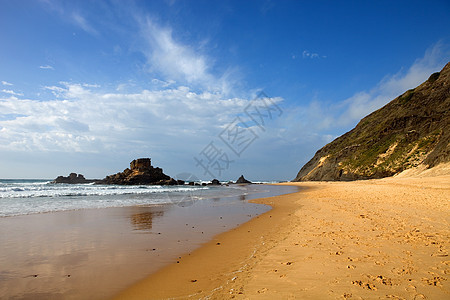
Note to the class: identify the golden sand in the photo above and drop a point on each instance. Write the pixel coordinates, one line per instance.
(374, 239)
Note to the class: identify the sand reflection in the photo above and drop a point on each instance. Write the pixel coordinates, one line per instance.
(144, 221)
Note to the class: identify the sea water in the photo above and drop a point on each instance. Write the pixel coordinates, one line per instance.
(29, 196)
(87, 241)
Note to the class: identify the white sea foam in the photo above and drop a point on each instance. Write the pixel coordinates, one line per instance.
(21, 197)
(59, 190)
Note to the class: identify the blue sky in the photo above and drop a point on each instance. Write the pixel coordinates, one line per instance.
(87, 86)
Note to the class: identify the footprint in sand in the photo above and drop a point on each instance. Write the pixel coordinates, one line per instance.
(435, 281)
(411, 289)
(403, 271)
(262, 291)
(384, 280)
(346, 295)
(365, 285)
(394, 297)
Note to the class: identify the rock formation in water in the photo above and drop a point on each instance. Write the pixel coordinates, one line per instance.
(412, 130)
(242, 180)
(215, 182)
(73, 178)
(141, 172)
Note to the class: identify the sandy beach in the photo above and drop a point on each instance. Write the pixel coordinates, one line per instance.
(233, 149)
(371, 239)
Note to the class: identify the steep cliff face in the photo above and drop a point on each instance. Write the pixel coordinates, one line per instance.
(411, 130)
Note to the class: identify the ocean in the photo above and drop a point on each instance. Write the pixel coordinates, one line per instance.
(30, 196)
(56, 238)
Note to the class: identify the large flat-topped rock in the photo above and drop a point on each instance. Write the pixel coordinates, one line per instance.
(141, 172)
(141, 164)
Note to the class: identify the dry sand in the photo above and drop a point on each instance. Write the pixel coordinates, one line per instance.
(372, 239)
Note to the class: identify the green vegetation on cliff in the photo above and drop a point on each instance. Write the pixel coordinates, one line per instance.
(411, 130)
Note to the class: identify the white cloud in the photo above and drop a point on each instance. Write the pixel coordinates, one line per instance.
(67, 14)
(56, 90)
(91, 85)
(364, 102)
(312, 126)
(311, 55)
(178, 62)
(162, 83)
(122, 87)
(81, 119)
(81, 22)
(174, 59)
(11, 92)
(6, 83)
(46, 67)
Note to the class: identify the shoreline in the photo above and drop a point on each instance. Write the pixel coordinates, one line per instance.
(385, 238)
(58, 254)
(199, 273)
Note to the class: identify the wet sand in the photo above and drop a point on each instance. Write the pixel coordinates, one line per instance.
(96, 253)
(374, 239)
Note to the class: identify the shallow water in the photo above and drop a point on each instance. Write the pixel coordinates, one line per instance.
(95, 253)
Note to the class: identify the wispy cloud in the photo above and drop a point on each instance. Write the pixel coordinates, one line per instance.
(90, 85)
(11, 92)
(46, 67)
(178, 62)
(81, 22)
(311, 55)
(6, 83)
(162, 83)
(167, 58)
(321, 120)
(364, 102)
(68, 14)
(172, 58)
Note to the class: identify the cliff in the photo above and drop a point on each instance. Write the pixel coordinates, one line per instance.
(412, 130)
